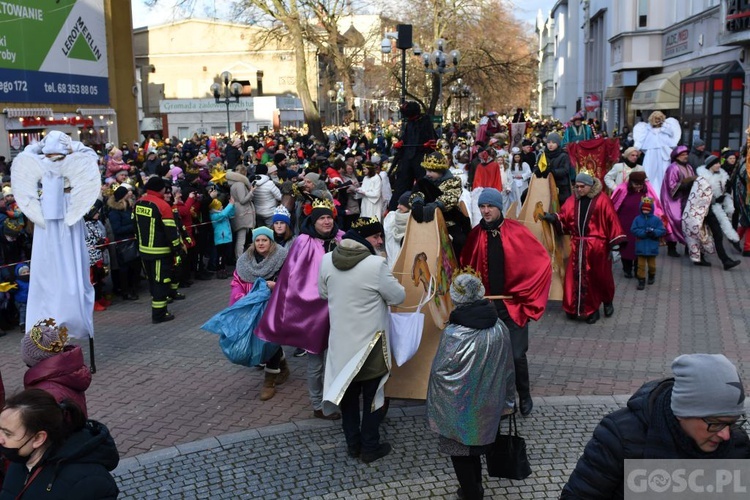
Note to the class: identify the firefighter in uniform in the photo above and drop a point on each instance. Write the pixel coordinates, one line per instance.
(159, 245)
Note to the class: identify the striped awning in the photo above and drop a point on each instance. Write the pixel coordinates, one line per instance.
(20, 112)
(96, 111)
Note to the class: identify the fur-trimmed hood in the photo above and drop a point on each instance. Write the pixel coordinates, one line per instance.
(117, 205)
(595, 189)
(718, 181)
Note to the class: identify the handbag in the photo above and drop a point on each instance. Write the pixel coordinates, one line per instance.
(507, 455)
(127, 251)
(406, 329)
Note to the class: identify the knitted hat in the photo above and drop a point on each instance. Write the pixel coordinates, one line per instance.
(585, 178)
(7, 191)
(120, 193)
(638, 176)
(44, 340)
(262, 170)
(647, 204)
(677, 152)
(706, 385)
(492, 197)
(711, 160)
(263, 231)
(367, 226)
(155, 183)
(554, 137)
(312, 177)
(404, 199)
(281, 214)
(279, 157)
(698, 143)
(215, 205)
(466, 288)
(23, 270)
(627, 152)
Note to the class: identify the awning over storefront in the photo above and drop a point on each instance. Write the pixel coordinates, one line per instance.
(23, 112)
(613, 93)
(658, 92)
(96, 111)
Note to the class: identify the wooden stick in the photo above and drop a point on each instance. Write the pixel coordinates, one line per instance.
(497, 297)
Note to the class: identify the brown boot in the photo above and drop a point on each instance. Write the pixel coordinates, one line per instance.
(269, 387)
(283, 375)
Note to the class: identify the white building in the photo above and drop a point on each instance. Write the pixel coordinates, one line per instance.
(683, 57)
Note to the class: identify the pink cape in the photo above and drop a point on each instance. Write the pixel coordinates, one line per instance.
(296, 315)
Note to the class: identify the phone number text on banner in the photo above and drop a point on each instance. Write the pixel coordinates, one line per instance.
(44, 87)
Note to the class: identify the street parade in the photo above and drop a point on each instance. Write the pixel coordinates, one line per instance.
(366, 300)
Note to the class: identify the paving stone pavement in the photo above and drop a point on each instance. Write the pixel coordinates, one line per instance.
(161, 386)
(308, 460)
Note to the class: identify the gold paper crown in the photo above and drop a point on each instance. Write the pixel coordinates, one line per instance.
(322, 203)
(587, 172)
(56, 345)
(363, 221)
(435, 161)
(466, 270)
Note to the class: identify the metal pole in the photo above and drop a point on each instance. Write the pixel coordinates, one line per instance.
(403, 76)
(226, 101)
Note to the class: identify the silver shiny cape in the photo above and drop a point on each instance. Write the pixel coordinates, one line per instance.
(472, 384)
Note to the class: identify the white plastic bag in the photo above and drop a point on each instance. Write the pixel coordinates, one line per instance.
(406, 330)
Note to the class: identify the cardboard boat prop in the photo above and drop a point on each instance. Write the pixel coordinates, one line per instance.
(427, 252)
(542, 197)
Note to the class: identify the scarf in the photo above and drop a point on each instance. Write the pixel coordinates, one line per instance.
(478, 315)
(250, 269)
(495, 256)
(631, 164)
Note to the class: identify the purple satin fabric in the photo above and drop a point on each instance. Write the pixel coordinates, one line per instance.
(673, 200)
(296, 315)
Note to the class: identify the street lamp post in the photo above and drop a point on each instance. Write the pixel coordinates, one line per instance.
(227, 93)
(460, 91)
(437, 63)
(403, 38)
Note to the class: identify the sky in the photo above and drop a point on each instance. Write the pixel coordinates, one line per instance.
(143, 16)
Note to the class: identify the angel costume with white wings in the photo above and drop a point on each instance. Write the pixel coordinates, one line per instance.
(657, 144)
(60, 286)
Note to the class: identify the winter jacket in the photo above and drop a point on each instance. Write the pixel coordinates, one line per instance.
(120, 217)
(647, 228)
(242, 192)
(222, 227)
(22, 292)
(267, 196)
(558, 163)
(63, 375)
(75, 470)
(624, 434)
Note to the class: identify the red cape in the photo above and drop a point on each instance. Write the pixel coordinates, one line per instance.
(528, 269)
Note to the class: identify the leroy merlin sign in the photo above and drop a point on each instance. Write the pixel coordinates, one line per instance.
(53, 52)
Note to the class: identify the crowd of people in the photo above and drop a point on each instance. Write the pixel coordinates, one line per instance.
(311, 228)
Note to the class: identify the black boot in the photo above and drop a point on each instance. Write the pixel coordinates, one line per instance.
(641, 284)
(729, 264)
(703, 262)
(593, 318)
(609, 309)
(672, 249)
(651, 279)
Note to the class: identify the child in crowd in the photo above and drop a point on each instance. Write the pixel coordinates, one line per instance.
(647, 228)
(21, 294)
(222, 235)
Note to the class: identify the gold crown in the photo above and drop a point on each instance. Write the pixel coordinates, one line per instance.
(467, 270)
(363, 222)
(435, 161)
(587, 172)
(322, 203)
(56, 345)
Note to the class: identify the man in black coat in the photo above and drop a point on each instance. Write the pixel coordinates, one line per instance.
(417, 138)
(698, 414)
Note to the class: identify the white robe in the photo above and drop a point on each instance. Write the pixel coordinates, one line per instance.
(372, 198)
(60, 285)
(394, 230)
(657, 144)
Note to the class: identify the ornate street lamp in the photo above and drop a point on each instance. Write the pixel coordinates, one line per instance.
(227, 92)
(460, 91)
(437, 63)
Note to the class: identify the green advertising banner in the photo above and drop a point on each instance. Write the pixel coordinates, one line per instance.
(53, 51)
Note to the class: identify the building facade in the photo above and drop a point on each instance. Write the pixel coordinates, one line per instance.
(685, 58)
(59, 70)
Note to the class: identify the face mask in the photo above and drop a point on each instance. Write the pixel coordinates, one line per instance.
(12, 454)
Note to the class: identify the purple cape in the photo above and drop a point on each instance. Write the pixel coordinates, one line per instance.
(296, 315)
